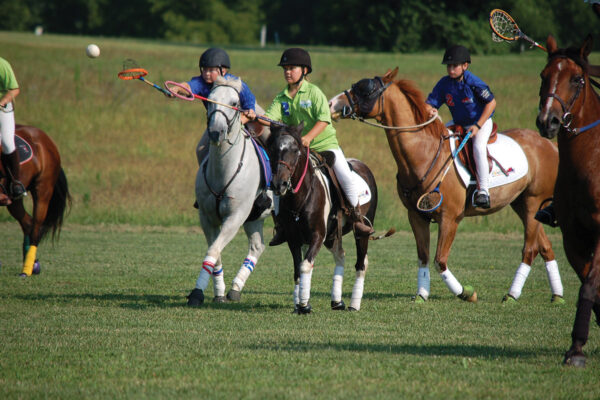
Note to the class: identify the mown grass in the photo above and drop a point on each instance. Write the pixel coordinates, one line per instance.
(106, 319)
(129, 152)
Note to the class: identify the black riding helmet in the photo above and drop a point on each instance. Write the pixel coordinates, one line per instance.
(456, 54)
(296, 56)
(214, 58)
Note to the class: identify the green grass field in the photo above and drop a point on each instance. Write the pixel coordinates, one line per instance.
(106, 318)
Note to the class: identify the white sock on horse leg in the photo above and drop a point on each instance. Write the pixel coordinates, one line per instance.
(218, 281)
(296, 295)
(245, 270)
(304, 292)
(208, 266)
(357, 290)
(452, 283)
(338, 279)
(519, 280)
(554, 278)
(423, 282)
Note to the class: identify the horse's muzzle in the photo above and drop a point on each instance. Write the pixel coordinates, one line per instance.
(280, 188)
(548, 126)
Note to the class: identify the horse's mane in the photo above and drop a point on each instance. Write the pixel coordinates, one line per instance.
(572, 53)
(415, 98)
(235, 83)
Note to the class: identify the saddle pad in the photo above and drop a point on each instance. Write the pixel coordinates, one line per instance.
(507, 152)
(24, 149)
(364, 192)
(265, 165)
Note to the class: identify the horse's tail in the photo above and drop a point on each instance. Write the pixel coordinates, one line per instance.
(60, 201)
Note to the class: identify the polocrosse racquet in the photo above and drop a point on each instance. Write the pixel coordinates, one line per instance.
(504, 28)
(176, 90)
(132, 71)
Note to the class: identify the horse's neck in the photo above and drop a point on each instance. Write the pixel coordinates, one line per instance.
(413, 150)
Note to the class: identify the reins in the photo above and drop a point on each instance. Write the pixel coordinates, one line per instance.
(399, 128)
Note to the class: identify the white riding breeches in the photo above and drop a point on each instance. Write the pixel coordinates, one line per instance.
(480, 142)
(7, 128)
(348, 180)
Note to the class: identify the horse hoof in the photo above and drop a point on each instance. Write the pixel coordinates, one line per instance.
(304, 309)
(36, 268)
(22, 275)
(352, 309)
(234, 295)
(508, 299)
(338, 305)
(556, 299)
(418, 299)
(219, 299)
(469, 294)
(195, 298)
(577, 361)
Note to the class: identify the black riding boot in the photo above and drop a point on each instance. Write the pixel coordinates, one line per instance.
(12, 167)
(360, 227)
(278, 235)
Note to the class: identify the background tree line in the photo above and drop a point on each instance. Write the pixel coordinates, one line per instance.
(377, 25)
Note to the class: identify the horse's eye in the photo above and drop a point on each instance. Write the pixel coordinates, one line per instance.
(576, 79)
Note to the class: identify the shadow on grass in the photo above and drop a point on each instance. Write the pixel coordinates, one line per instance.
(466, 350)
(146, 301)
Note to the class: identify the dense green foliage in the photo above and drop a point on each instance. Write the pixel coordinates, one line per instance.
(384, 25)
(106, 320)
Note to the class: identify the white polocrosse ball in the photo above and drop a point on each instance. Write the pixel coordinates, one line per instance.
(92, 51)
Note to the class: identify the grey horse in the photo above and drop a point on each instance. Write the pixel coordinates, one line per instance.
(228, 191)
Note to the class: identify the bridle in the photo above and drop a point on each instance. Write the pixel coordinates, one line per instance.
(230, 122)
(365, 102)
(567, 117)
(288, 183)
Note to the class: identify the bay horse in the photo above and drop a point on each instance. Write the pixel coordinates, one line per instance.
(311, 216)
(569, 110)
(421, 150)
(42, 175)
(228, 191)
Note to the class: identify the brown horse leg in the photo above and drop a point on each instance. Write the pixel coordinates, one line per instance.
(420, 227)
(588, 295)
(446, 235)
(41, 199)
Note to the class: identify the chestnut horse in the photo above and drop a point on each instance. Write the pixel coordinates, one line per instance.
(421, 150)
(569, 109)
(45, 179)
(311, 216)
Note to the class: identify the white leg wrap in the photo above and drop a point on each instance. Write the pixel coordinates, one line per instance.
(452, 283)
(245, 270)
(423, 282)
(519, 280)
(554, 278)
(208, 265)
(304, 290)
(338, 279)
(296, 294)
(218, 281)
(357, 290)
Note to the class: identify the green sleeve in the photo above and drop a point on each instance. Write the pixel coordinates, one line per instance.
(322, 107)
(274, 110)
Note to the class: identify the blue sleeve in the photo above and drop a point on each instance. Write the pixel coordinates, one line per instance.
(436, 97)
(480, 89)
(247, 99)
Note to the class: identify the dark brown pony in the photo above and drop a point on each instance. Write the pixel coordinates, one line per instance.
(570, 110)
(45, 179)
(421, 153)
(311, 215)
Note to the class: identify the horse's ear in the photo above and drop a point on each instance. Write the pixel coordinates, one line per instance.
(390, 75)
(275, 132)
(586, 48)
(298, 132)
(551, 44)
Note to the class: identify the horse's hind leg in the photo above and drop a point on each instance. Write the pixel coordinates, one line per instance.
(256, 246)
(362, 264)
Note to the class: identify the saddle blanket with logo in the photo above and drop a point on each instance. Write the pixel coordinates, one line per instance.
(507, 152)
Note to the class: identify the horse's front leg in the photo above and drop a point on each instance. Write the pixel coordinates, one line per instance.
(306, 269)
(446, 235)
(296, 250)
(421, 232)
(256, 246)
(339, 256)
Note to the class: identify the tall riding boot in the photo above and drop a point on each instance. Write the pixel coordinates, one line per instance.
(17, 190)
(278, 234)
(360, 227)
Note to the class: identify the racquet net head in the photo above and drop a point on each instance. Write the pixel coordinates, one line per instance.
(131, 70)
(428, 202)
(504, 28)
(179, 91)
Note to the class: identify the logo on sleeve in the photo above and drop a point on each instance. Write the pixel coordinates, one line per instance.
(285, 108)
